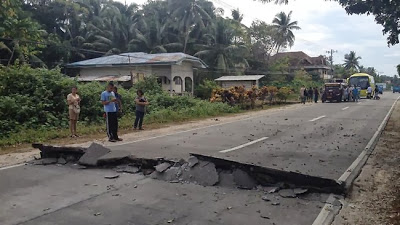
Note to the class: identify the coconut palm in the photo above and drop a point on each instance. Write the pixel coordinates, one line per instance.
(283, 27)
(187, 15)
(220, 51)
(351, 61)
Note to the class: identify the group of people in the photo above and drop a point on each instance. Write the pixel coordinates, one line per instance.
(352, 93)
(309, 95)
(112, 106)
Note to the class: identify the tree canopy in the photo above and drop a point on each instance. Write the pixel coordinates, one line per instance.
(56, 32)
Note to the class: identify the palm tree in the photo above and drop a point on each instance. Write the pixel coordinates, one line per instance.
(284, 27)
(220, 51)
(187, 15)
(351, 61)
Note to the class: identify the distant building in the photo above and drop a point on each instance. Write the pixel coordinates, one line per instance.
(300, 60)
(248, 81)
(128, 68)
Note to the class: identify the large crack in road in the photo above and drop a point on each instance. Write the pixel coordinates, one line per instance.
(197, 169)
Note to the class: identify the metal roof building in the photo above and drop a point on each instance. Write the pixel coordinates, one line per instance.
(139, 58)
(174, 70)
(248, 81)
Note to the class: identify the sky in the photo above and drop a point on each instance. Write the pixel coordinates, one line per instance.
(325, 25)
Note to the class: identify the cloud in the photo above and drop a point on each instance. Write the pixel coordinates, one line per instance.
(395, 54)
(325, 25)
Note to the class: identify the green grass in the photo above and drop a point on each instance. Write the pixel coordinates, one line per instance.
(153, 120)
(202, 109)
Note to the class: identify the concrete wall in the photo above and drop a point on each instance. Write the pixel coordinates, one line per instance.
(229, 84)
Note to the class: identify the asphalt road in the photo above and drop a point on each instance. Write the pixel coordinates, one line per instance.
(317, 139)
(320, 139)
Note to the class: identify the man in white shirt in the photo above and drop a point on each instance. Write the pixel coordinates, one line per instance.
(369, 92)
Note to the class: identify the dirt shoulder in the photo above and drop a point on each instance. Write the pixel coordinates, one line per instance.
(375, 196)
(25, 153)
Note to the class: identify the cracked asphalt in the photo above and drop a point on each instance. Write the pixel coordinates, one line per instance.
(315, 139)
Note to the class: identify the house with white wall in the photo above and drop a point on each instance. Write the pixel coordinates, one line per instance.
(247, 81)
(173, 70)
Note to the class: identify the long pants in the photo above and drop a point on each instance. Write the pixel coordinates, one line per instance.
(303, 99)
(112, 125)
(316, 98)
(139, 119)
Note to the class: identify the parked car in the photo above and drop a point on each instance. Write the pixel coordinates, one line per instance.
(334, 92)
(396, 89)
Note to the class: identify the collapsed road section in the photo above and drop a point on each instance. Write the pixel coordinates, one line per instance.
(197, 169)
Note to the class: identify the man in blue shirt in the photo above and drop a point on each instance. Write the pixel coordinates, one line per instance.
(109, 100)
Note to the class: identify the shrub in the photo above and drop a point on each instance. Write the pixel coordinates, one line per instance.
(205, 89)
(283, 93)
(33, 106)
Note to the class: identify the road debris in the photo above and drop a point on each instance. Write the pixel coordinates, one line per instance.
(192, 161)
(162, 167)
(287, 193)
(127, 169)
(114, 176)
(61, 161)
(92, 154)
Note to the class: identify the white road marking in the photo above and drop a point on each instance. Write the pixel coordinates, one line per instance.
(243, 145)
(318, 118)
(13, 166)
(345, 108)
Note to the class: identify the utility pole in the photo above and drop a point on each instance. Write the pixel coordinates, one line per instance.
(331, 58)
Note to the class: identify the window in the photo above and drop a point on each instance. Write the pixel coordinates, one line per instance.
(178, 81)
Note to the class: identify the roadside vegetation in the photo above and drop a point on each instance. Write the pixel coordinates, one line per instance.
(34, 107)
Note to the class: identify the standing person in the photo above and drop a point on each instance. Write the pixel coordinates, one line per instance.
(355, 94)
(346, 93)
(310, 94)
(351, 93)
(74, 109)
(369, 92)
(376, 95)
(141, 103)
(316, 95)
(109, 100)
(118, 103)
(303, 94)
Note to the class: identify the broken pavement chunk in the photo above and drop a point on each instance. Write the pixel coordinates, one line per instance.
(287, 193)
(300, 191)
(61, 161)
(113, 157)
(271, 190)
(114, 176)
(92, 154)
(127, 169)
(266, 198)
(162, 167)
(243, 180)
(192, 161)
(203, 173)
